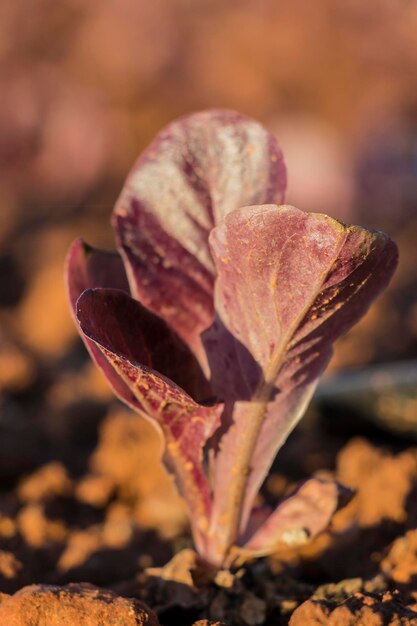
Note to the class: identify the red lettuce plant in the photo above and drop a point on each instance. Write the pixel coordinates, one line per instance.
(217, 316)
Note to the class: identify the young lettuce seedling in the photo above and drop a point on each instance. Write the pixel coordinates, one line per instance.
(217, 317)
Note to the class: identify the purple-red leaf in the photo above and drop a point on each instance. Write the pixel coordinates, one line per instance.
(289, 283)
(196, 171)
(148, 358)
(298, 518)
(88, 267)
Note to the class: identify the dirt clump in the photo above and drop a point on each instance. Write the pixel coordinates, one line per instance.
(11, 572)
(360, 609)
(382, 481)
(48, 481)
(400, 564)
(83, 604)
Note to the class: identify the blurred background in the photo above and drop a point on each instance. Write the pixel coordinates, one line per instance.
(86, 85)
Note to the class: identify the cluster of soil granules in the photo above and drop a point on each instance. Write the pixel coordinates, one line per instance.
(367, 609)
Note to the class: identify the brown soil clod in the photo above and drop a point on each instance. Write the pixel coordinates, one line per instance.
(358, 610)
(82, 604)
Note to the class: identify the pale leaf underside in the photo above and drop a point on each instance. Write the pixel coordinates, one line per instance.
(298, 518)
(195, 172)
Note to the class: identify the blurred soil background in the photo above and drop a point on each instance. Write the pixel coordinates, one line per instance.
(84, 88)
